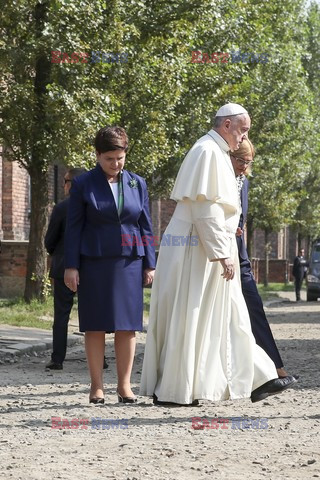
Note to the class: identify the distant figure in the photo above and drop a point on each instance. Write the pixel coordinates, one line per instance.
(63, 296)
(299, 270)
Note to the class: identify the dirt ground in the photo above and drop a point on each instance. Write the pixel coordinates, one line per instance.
(274, 439)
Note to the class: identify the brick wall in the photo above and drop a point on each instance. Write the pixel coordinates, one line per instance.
(258, 244)
(7, 205)
(13, 261)
(21, 202)
(15, 222)
(166, 212)
(15, 205)
(155, 210)
(279, 271)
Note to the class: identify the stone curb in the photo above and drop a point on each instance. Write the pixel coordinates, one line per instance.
(269, 303)
(17, 349)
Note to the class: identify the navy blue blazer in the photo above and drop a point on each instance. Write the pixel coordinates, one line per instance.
(242, 250)
(94, 227)
(54, 239)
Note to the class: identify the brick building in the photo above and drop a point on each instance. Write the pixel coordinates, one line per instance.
(14, 229)
(14, 222)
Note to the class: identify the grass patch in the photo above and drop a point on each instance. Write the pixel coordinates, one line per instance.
(276, 287)
(271, 291)
(146, 301)
(21, 314)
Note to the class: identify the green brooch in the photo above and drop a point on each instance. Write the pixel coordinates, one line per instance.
(133, 183)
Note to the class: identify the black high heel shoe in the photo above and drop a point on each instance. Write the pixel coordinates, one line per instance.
(122, 399)
(97, 400)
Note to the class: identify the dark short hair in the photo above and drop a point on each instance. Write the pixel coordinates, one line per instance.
(75, 172)
(111, 138)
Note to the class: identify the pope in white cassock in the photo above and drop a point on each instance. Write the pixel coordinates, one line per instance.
(199, 341)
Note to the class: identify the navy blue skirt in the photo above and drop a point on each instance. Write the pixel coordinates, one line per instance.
(110, 294)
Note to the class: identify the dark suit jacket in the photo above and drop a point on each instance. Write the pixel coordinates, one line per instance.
(94, 227)
(299, 269)
(242, 250)
(54, 239)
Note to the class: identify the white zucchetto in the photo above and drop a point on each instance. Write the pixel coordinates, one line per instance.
(230, 109)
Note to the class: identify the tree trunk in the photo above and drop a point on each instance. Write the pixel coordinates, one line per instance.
(267, 250)
(37, 257)
(299, 240)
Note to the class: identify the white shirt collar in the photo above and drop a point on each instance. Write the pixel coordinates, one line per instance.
(220, 141)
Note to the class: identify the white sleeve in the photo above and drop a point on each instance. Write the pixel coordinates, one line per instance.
(209, 220)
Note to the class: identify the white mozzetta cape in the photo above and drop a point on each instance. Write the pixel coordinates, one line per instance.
(207, 173)
(199, 342)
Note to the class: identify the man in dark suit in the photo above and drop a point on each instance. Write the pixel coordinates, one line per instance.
(298, 271)
(63, 296)
(259, 323)
(241, 160)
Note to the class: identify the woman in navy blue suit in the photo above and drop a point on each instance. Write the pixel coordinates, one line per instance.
(109, 256)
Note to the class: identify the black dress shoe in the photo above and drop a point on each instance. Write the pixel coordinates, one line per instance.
(122, 399)
(272, 387)
(195, 403)
(294, 376)
(54, 365)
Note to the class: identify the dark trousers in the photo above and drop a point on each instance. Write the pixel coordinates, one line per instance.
(298, 284)
(63, 302)
(259, 324)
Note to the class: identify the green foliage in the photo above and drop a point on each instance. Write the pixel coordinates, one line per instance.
(45, 284)
(307, 217)
(280, 101)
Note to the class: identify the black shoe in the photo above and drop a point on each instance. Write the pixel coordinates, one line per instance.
(126, 399)
(272, 387)
(195, 403)
(105, 365)
(97, 400)
(294, 376)
(54, 365)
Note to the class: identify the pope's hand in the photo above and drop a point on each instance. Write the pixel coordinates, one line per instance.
(71, 278)
(228, 268)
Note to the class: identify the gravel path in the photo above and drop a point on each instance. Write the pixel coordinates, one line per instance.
(274, 439)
